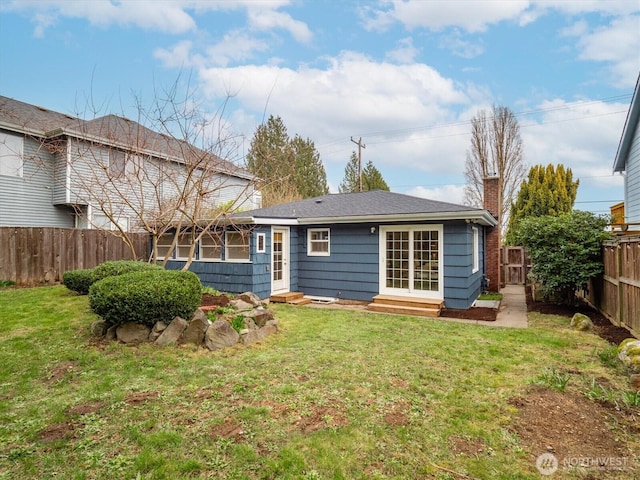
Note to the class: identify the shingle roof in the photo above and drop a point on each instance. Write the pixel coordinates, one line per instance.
(360, 205)
(109, 129)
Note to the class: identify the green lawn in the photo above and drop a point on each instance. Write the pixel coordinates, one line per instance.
(336, 394)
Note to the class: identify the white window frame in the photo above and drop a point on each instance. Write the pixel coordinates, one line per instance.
(313, 243)
(476, 249)
(165, 246)
(11, 155)
(101, 221)
(214, 244)
(432, 294)
(182, 249)
(261, 243)
(230, 247)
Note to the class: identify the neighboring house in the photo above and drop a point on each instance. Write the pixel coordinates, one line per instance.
(627, 161)
(355, 246)
(58, 170)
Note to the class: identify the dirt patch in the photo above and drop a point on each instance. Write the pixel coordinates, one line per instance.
(137, 398)
(86, 408)
(474, 313)
(574, 429)
(466, 446)
(60, 371)
(396, 415)
(229, 430)
(603, 327)
(322, 417)
(59, 431)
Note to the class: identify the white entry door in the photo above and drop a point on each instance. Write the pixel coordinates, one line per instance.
(280, 260)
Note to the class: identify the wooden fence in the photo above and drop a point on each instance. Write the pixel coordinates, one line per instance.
(616, 293)
(30, 256)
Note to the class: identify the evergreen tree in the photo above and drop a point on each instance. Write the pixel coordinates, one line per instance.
(290, 169)
(310, 177)
(351, 181)
(548, 190)
(371, 177)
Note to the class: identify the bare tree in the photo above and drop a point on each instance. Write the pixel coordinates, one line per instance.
(496, 150)
(165, 174)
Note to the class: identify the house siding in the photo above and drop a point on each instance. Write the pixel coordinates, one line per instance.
(461, 286)
(350, 272)
(27, 200)
(632, 180)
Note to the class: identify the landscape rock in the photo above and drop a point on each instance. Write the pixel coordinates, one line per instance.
(157, 330)
(110, 334)
(219, 335)
(249, 324)
(194, 333)
(99, 328)
(260, 316)
(241, 305)
(581, 322)
(629, 354)
(131, 332)
(251, 337)
(172, 333)
(251, 298)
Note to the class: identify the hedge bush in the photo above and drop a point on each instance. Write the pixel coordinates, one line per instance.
(78, 280)
(146, 297)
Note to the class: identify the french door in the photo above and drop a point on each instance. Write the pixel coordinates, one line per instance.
(280, 260)
(411, 260)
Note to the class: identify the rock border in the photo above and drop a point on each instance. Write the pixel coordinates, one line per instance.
(257, 321)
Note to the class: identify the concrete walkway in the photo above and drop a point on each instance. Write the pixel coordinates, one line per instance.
(512, 312)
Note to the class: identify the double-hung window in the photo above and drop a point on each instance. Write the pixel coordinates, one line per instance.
(318, 242)
(476, 249)
(236, 246)
(210, 247)
(11, 155)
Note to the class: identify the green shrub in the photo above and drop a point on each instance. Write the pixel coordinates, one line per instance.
(78, 280)
(146, 297)
(120, 267)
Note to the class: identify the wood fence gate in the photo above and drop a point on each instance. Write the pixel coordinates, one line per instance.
(515, 265)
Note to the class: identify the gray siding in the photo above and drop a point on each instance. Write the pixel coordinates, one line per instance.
(28, 200)
(632, 181)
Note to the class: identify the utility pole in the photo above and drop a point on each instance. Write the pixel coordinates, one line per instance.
(360, 147)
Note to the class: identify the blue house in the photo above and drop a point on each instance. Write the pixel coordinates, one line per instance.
(372, 246)
(627, 161)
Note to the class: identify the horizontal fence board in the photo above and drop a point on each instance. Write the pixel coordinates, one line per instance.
(35, 255)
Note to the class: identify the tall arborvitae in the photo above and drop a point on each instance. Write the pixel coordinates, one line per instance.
(548, 190)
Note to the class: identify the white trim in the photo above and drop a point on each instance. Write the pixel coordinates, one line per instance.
(437, 295)
(261, 238)
(285, 282)
(310, 242)
(475, 252)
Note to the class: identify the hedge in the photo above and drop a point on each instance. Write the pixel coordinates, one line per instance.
(146, 297)
(80, 280)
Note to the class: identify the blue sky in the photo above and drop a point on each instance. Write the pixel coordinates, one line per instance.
(405, 76)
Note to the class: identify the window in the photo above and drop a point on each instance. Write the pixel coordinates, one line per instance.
(184, 245)
(210, 247)
(476, 249)
(164, 246)
(261, 243)
(11, 159)
(122, 164)
(103, 222)
(236, 246)
(318, 242)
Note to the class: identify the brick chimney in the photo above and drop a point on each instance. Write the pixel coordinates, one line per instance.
(492, 200)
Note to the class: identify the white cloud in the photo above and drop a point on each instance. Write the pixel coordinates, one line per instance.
(469, 15)
(404, 53)
(460, 47)
(235, 46)
(269, 19)
(446, 193)
(617, 44)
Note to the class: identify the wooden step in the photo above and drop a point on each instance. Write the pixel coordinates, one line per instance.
(294, 298)
(421, 307)
(416, 311)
